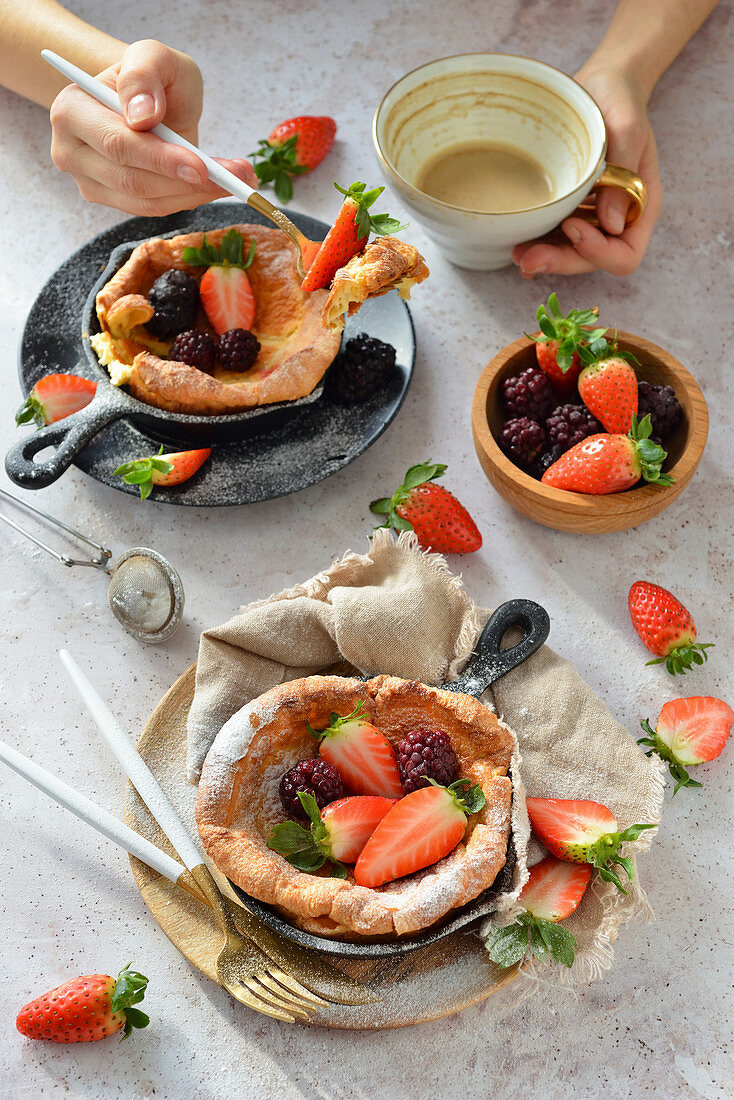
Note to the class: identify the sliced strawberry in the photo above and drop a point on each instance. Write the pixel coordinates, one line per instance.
(348, 235)
(55, 397)
(225, 290)
(583, 832)
(689, 731)
(420, 829)
(338, 833)
(361, 754)
(160, 469)
(555, 888)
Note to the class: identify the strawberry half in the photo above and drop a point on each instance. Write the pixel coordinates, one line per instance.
(361, 754)
(86, 1009)
(55, 397)
(557, 348)
(419, 830)
(607, 463)
(666, 627)
(160, 469)
(225, 290)
(294, 147)
(338, 833)
(348, 235)
(438, 519)
(583, 832)
(608, 388)
(689, 731)
(553, 891)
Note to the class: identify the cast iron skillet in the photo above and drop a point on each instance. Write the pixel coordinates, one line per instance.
(488, 663)
(71, 435)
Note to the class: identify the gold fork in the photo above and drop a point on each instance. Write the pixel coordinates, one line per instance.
(244, 970)
(307, 249)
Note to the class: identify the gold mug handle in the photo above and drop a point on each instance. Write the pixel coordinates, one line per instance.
(624, 180)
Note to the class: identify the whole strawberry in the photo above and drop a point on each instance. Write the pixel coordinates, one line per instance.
(609, 463)
(86, 1009)
(294, 147)
(666, 627)
(438, 519)
(557, 348)
(608, 388)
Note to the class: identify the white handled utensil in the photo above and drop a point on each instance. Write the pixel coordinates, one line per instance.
(216, 172)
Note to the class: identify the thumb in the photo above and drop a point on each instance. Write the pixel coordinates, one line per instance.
(140, 83)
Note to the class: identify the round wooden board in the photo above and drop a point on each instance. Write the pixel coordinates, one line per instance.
(425, 985)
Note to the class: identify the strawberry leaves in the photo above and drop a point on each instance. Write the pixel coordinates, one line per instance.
(129, 990)
(471, 800)
(676, 769)
(32, 411)
(416, 475)
(572, 332)
(276, 163)
(541, 938)
(379, 224)
(651, 455)
(229, 253)
(605, 852)
(307, 850)
(140, 472)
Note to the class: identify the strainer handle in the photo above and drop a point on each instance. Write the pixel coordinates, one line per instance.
(68, 436)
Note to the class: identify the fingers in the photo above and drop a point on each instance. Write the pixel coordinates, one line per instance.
(146, 69)
(628, 135)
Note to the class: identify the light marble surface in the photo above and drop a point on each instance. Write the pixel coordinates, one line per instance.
(656, 1025)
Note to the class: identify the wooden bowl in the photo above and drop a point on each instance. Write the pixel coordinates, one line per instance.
(583, 512)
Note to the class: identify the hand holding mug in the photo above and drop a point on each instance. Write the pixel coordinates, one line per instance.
(114, 160)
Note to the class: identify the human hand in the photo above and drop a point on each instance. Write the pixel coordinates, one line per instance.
(114, 160)
(612, 247)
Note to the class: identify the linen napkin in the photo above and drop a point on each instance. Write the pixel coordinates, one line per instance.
(400, 611)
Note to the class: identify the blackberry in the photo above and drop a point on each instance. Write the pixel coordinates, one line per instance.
(424, 755)
(175, 299)
(545, 460)
(195, 347)
(522, 440)
(316, 776)
(662, 405)
(570, 424)
(238, 349)
(528, 394)
(362, 367)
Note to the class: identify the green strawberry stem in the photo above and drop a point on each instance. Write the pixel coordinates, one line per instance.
(379, 224)
(572, 331)
(387, 506)
(542, 938)
(229, 253)
(129, 990)
(469, 801)
(682, 659)
(140, 472)
(659, 748)
(307, 850)
(650, 455)
(276, 164)
(336, 722)
(31, 411)
(604, 852)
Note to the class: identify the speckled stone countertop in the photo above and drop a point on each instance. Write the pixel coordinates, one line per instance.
(656, 1025)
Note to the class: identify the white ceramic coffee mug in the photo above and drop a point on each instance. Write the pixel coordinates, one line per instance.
(508, 101)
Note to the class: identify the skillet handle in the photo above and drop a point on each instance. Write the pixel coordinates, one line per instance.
(488, 661)
(68, 436)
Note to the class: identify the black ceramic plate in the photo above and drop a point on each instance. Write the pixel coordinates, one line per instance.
(316, 441)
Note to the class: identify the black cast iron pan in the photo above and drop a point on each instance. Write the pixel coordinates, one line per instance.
(487, 664)
(71, 435)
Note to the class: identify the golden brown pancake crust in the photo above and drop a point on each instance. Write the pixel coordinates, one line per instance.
(238, 803)
(295, 347)
(385, 263)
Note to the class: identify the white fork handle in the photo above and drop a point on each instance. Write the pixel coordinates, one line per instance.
(135, 767)
(94, 815)
(109, 98)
